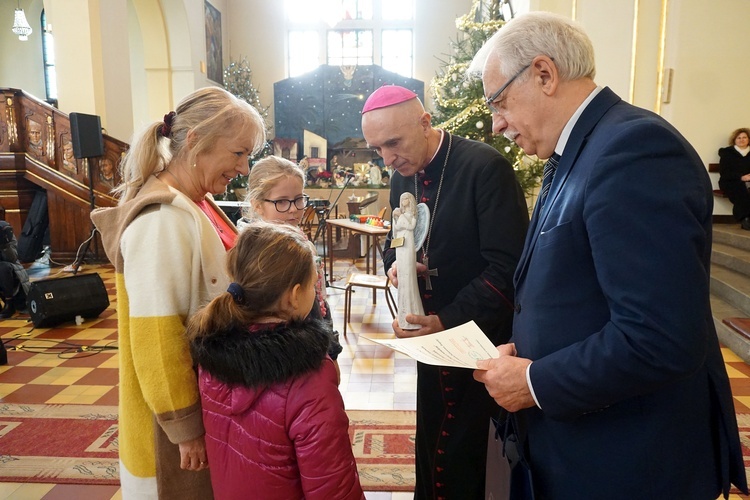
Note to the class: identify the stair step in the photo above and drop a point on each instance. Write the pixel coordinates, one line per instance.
(740, 325)
(735, 341)
(736, 259)
(732, 287)
(732, 235)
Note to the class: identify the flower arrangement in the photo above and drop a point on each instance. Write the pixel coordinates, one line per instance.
(324, 178)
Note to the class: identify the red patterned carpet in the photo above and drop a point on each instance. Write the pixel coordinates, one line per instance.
(77, 444)
(383, 443)
(66, 444)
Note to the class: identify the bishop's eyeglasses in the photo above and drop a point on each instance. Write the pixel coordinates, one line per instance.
(284, 205)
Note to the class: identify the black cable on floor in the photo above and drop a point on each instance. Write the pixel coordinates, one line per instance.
(63, 349)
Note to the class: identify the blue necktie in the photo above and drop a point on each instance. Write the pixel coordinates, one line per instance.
(547, 176)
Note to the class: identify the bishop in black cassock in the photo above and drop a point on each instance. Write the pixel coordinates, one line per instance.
(476, 237)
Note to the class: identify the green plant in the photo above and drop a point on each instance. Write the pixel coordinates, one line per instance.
(459, 101)
(238, 81)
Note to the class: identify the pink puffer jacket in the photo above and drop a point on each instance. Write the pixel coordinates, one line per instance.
(275, 421)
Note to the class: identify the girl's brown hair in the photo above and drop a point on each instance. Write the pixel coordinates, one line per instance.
(267, 260)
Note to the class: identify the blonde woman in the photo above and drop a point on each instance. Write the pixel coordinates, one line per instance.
(168, 242)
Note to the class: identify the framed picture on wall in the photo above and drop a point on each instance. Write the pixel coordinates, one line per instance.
(214, 60)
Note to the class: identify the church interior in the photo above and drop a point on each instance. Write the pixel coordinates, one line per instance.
(79, 77)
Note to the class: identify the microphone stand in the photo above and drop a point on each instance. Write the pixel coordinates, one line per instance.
(325, 213)
(322, 222)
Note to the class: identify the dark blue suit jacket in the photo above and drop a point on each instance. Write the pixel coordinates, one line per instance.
(612, 306)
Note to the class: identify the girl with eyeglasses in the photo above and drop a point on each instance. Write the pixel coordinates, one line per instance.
(275, 195)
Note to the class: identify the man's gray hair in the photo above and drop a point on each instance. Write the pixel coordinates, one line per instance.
(532, 34)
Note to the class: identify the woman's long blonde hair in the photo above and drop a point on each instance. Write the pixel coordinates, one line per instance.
(208, 114)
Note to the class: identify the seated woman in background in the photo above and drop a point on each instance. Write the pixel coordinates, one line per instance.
(734, 172)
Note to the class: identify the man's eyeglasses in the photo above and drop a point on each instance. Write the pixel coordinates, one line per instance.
(490, 101)
(284, 205)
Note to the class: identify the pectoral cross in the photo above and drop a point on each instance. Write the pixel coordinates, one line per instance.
(428, 273)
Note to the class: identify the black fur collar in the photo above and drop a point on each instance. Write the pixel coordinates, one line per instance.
(268, 356)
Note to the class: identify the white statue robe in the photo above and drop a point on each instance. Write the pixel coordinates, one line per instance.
(409, 301)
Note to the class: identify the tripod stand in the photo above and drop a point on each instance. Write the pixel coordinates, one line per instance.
(92, 205)
(88, 142)
(324, 215)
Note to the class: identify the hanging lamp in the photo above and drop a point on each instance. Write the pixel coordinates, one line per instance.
(20, 24)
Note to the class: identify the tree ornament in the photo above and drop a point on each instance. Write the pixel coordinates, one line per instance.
(460, 103)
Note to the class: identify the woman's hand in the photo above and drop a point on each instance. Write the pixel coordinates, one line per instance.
(193, 454)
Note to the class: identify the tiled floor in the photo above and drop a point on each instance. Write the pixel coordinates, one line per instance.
(55, 367)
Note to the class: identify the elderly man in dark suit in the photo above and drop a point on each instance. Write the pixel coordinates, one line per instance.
(614, 370)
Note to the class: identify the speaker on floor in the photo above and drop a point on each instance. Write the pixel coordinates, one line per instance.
(86, 132)
(55, 301)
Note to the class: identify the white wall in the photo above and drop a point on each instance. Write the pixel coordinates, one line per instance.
(703, 46)
(77, 85)
(21, 64)
(258, 31)
(435, 27)
(612, 41)
(710, 84)
(711, 78)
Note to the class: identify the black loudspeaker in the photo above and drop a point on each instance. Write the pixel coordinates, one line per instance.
(55, 301)
(86, 132)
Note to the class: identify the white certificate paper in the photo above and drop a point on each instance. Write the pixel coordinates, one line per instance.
(461, 346)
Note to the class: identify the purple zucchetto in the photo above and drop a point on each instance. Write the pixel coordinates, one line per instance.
(387, 95)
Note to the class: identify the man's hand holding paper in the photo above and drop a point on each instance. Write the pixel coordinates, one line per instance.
(504, 377)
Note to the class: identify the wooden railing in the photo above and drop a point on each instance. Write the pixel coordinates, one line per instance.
(36, 152)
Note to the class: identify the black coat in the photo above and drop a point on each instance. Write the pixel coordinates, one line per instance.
(268, 356)
(732, 166)
(477, 236)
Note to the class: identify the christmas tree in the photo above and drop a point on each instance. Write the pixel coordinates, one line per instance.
(238, 81)
(459, 101)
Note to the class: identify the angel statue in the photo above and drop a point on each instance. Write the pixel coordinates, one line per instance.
(410, 223)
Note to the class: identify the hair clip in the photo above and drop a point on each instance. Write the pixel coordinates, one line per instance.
(237, 293)
(166, 127)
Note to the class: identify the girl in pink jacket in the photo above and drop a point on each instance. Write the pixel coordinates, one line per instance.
(274, 418)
